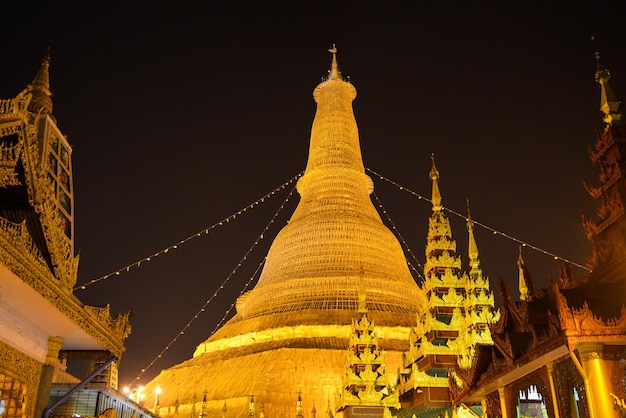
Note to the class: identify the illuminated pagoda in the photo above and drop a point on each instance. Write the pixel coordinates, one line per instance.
(561, 351)
(43, 326)
(292, 330)
(367, 390)
(459, 308)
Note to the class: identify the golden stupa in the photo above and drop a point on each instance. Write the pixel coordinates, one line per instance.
(285, 349)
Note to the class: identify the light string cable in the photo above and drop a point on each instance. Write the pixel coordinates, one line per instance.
(189, 238)
(221, 286)
(399, 235)
(493, 230)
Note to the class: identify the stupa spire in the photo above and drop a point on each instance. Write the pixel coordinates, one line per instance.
(334, 72)
(336, 213)
(609, 105)
(436, 194)
(472, 247)
(41, 101)
(522, 285)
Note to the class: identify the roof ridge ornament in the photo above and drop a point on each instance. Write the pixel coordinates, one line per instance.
(609, 104)
(39, 89)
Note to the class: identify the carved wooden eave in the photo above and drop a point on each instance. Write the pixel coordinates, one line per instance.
(52, 278)
(504, 373)
(604, 142)
(462, 380)
(583, 325)
(97, 322)
(503, 345)
(610, 216)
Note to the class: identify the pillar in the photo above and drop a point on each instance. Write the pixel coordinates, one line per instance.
(598, 381)
(503, 406)
(47, 372)
(555, 399)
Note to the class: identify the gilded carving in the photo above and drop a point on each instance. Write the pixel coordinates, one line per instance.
(19, 253)
(24, 368)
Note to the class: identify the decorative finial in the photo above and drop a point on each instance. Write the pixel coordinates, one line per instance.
(523, 286)
(436, 195)
(41, 101)
(472, 250)
(609, 104)
(334, 68)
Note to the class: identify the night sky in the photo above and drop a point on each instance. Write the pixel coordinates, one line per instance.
(181, 115)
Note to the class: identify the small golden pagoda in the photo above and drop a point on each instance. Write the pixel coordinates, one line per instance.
(289, 335)
(454, 320)
(366, 390)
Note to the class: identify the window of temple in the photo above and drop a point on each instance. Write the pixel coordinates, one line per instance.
(530, 404)
(12, 397)
(59, 178)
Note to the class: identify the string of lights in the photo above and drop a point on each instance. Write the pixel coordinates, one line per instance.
(221, 286)
(189, 238)
(395, 230)
(262, 263)
(492, 230)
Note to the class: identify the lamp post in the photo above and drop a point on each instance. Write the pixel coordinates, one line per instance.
(157, 406)
(135, 395)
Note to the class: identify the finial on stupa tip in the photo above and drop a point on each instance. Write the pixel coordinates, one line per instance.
(434, 174)
(334, 68)
(436, 194)
(472, 247)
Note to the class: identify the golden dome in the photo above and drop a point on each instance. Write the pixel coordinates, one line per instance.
(335, 234)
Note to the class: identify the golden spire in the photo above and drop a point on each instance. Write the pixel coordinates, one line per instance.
(362, 295)
(523, 286)
(41, 101)
(609, 105)
(436, 195)
(334, 228)
(472, 248)
(334, 68)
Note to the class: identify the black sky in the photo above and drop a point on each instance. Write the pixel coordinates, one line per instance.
(182, 113)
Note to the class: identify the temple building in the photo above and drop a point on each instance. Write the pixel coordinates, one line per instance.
(561, 351)
(43, 326)
(336, 325)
